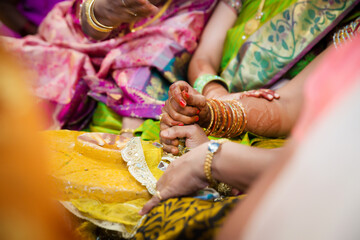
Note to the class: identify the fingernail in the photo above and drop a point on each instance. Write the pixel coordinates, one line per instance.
(277, 95)
(181, 124)
(186, 94)
(270, 96)
(174, 151)
(198, 111)
(182, 103)
(164, 133)
(196, 118)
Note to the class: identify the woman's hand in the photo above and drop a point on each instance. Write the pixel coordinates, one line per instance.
(184, 106)
(183, 176)
(115, 12)
(267, 94)
(193, 134)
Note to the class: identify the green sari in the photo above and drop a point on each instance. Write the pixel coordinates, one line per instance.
(289, 29)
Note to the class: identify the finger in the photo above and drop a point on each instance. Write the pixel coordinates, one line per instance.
(141, 11)
(271, 92)
(267, 96)
(180, 117)
(196, 100)
(170, 142)
(149, 205)
(188, 110)
(176, 89)
(155, 2)
(170, 149)
(178, 132)
(141, 7)
(166, 119)
(163, 126)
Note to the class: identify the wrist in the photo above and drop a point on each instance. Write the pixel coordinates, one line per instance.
(203, 80)
(101, 14)
(89, 23)
(214, 89)
(205, 117)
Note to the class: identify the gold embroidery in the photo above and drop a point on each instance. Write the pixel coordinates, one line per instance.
(133, 154)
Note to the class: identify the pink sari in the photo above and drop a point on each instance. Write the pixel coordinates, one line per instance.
(131, 73)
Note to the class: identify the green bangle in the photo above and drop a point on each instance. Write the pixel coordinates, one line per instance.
(201, 81)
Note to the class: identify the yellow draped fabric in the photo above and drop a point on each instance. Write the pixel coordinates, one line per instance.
(91, 173)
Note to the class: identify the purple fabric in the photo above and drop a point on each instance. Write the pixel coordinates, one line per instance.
(130, 72)
(36, 10)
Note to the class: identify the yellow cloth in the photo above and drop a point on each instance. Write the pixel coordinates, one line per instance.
(186, 218)
(90, 172)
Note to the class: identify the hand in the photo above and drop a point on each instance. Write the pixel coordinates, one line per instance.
(183, 176)
(115, 12)
(194, 135)
(185, 105)
(267, 94)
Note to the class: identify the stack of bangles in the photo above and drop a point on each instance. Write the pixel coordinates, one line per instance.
(228, 118)
(91, 19)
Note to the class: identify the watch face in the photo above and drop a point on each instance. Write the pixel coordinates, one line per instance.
(213, 147)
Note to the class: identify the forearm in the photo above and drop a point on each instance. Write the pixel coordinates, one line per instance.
(239, 165)
(267, 118)
(278, 117)
(200, 64)
(264, 118)
(207, 57)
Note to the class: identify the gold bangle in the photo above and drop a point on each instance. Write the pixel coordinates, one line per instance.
(91, 19)
(223, 126)
(211, 118)
(244, 119)
(127, 130)
(240, 118)
(217, 120)
(157, 16)
(235, 119)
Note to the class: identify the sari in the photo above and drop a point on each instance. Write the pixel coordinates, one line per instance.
(290, 35)
(130, 71)
(106, 180)
(288, 31)
(33, 11)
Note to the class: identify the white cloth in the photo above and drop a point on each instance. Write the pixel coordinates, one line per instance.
(317, 195)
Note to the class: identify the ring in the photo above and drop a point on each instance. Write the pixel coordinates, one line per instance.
(131, 12)
(157, 193)
(161, 116)
(123, 2)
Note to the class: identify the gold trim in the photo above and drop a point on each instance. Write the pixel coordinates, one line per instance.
(158, 15)
(91, 19)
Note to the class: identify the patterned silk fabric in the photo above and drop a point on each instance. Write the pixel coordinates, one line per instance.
(289, 29)
(130, 71)
(186, 218)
